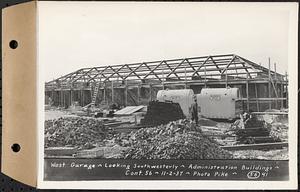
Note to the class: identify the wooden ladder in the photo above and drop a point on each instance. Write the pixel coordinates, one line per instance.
(95, 93)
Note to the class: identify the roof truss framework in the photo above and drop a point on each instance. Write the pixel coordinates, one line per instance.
(177, 69)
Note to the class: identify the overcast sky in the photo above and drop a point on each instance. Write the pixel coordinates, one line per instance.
(73, 35)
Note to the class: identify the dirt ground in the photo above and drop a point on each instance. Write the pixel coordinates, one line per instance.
(55, 114)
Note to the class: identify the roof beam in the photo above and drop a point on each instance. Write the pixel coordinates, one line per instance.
(153, 73)
(133, 71)
(101, 73)
(201, 65)
(152, 70)
(171, 69)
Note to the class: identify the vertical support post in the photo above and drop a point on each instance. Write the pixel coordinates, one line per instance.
(112, 92)
(227, 79)
(185, 86)
(139, 94)
(204, 75)
(162, 80)
(92, 91)
(281, 94)
(275, 72)
(275, 84)
(247, 94)
(81, 98)
(269, 84)
(64, 99)
(63, 96)
(71, 97)
(126, 93)
(52, 96)
(59, 99)
(104, 93)
(256, 96)
(286, 89)
(150, 91)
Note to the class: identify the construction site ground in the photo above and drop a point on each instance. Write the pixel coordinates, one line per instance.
(127, 125)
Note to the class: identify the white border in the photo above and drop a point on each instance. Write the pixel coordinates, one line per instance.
(185, 184)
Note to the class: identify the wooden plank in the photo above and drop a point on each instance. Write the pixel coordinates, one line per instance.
(132, 127)
(262, 99)
(266, 139)
(270, 113)
(262, 146)
(117, 123)
(60, 151)
(220, 135)
(210, 127)
(92, 153)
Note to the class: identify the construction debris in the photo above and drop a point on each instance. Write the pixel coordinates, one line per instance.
(278, 131)
(79, 132)
(279, 154)
(162, 113)
(69, 135)
(129, 110)
(176, 140)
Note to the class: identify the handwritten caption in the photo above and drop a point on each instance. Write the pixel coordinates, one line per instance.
(93, 169)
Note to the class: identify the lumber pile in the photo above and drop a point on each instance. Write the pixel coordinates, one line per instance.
(176, 140)
(79, 132)
(162, 113)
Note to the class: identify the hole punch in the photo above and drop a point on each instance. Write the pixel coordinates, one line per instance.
(16, 147)
(13, 44)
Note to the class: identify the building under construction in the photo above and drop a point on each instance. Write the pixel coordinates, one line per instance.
(137, 83)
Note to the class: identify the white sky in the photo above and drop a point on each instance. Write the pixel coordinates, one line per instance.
(73, 35)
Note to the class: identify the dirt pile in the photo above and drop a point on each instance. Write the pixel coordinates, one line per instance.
(162, 113)
(79, 132)
(176, 140)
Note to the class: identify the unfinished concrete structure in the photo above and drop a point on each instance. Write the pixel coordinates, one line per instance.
(138, 83)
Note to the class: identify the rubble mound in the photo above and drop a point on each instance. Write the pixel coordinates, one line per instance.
(176, 140)
(162, 113)
(79, 132)
(278, 131)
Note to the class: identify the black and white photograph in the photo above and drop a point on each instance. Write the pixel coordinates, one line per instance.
(167, 91)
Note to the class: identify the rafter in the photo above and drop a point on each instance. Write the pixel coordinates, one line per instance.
(215, 65)
(229, 63)
(201, 65)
